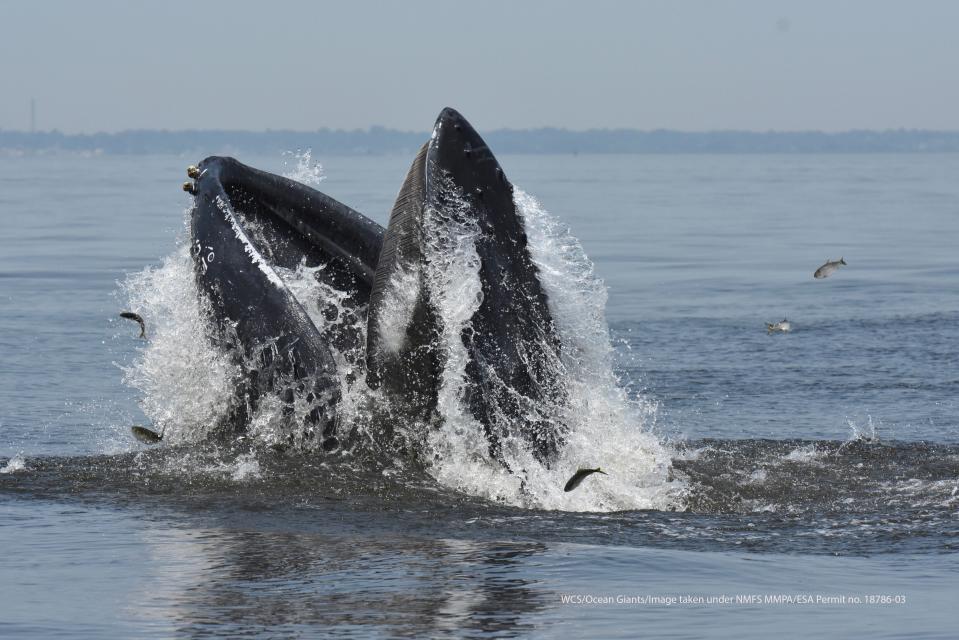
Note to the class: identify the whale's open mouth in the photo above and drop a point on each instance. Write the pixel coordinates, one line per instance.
(458, 323)
(468, 336)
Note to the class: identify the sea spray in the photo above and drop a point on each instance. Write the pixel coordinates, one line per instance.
(15, 464)
(187, 383)
(606, 427)
(342, 322)
(184, 381)
(304, 170)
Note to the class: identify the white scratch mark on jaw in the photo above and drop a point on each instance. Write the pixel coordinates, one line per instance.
(251, 251)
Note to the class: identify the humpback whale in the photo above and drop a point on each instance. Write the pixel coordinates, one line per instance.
(489, 342)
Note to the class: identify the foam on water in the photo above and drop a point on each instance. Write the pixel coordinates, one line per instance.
(868, 431)
(15, 464)
(246, 467)
(807, 454)
(199, 465)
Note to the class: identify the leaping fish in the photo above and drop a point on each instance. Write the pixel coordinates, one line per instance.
(129, 315)
(146, 436)
(828, 269)
(579, 476)
(783, 326)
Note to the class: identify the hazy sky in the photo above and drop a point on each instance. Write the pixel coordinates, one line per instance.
(764, 64)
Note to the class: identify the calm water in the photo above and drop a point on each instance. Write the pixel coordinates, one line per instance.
(821, 464)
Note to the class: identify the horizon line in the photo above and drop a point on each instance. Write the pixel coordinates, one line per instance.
(381, 128)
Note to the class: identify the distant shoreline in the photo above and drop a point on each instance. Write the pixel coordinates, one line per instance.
(382, 141)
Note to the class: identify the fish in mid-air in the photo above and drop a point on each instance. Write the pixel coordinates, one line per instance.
(579, 476)
(783, 326)
(146, 436)
(827, 269)
(129, 315)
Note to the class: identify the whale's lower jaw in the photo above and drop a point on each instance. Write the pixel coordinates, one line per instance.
(245, 226)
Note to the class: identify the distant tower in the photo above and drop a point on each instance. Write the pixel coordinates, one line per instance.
(33, 115)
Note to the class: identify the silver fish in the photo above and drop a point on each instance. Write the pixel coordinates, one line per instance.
(828, 268)
(146, 436)
(783, 327)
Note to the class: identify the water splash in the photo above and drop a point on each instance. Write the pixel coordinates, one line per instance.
(246, 468)
(342, 323)
(304, 169)
(868, 432)
(458, 451)
(186, 382)
(183, 380)
(806, 454)
(606, 427)
(16, 464)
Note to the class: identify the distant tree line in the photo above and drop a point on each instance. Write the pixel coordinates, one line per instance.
(379, 140)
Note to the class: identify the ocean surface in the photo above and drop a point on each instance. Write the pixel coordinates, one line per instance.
(760, 484)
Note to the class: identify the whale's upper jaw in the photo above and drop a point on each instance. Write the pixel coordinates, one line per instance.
(453, 132)
(455, 146)
(456, 187)
(458, 154)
